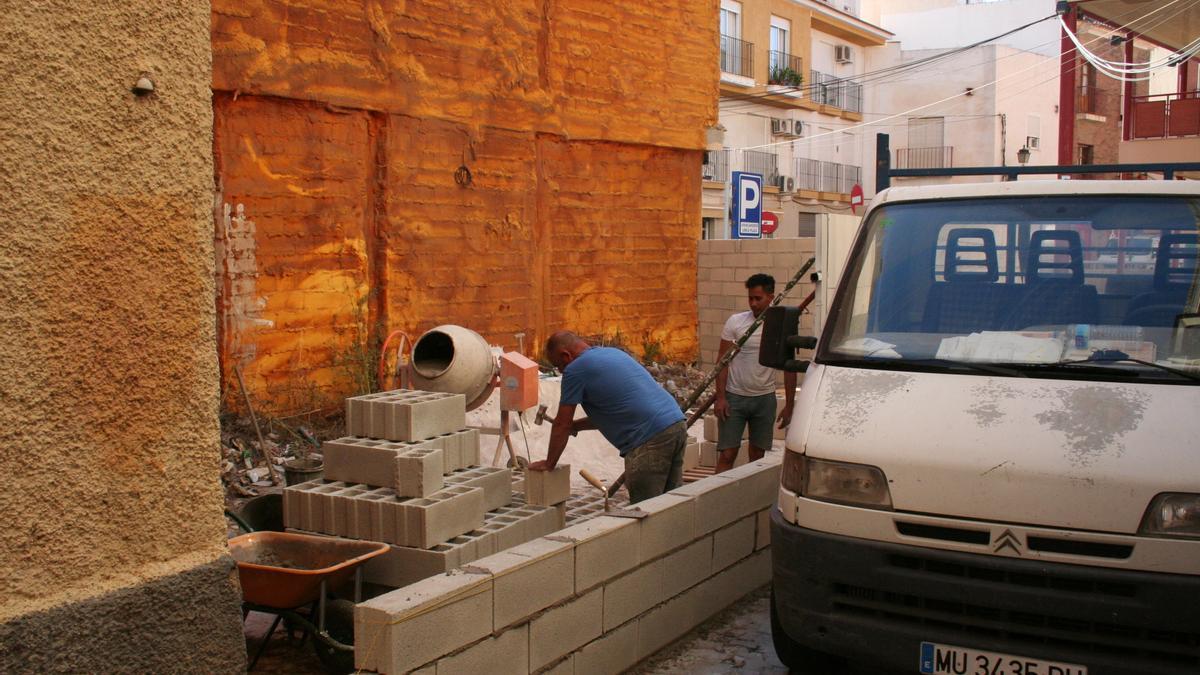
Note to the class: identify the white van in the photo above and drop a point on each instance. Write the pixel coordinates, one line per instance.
(994, 461)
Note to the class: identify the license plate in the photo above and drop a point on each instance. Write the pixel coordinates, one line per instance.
(937, 659)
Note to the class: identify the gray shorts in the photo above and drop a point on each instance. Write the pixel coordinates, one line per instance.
(757, 411)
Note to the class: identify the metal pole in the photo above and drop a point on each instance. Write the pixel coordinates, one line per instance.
(883, 163)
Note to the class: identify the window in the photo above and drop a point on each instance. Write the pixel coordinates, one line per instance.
(731, 18)
(1086, 155)
(926, 132)
(1033, 132)
(708, 228)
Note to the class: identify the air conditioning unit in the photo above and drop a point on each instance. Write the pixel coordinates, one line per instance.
(798, 128)
(781, 127)
(785, 183)
(843, 53)
(1032, 142)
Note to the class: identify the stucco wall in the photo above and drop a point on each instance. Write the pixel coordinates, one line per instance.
(340, 127)
(108, 367)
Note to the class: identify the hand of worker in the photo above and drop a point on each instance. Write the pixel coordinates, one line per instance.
(721, 408)
(540, 465)
(785, 416)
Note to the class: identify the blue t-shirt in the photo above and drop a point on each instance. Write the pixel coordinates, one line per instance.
(619, 396)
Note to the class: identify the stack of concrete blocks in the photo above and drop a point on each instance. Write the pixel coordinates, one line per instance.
(596, 597)
(409, 476)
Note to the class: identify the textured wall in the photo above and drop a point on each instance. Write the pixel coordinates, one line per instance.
(107, 371)
(339, 130)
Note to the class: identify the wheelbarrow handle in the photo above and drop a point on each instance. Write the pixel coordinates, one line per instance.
(238, 519)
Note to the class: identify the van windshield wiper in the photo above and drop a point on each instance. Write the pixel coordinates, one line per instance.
(1117, 356)
(950, 364)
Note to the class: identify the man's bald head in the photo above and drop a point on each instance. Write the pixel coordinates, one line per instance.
(562, 347)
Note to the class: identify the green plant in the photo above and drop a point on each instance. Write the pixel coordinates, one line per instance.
(786, 76)
(358, 361)
(652, 349)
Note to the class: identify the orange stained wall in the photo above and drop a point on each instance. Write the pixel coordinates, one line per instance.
(510, 167)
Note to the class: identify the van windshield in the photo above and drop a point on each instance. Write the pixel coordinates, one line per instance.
(1097, 287)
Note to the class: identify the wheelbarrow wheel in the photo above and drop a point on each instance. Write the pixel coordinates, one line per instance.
(339, 624)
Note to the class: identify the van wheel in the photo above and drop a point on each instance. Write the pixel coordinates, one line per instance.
(797, 657)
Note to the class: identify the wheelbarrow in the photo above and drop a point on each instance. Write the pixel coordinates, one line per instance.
(290, 575)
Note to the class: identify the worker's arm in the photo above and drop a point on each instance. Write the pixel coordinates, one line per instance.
(720, 405)
(560, 431)
(582, 424)
(789, 399)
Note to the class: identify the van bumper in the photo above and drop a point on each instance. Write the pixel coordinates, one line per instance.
(877, 602)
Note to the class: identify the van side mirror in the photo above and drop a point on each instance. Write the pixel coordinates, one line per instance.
(780, 340)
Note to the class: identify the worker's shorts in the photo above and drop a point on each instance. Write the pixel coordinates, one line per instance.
(656, 466)
(757, 411)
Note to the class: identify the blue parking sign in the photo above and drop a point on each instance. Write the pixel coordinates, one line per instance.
(747, 205)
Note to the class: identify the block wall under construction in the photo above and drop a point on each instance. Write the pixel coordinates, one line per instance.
(388, 166)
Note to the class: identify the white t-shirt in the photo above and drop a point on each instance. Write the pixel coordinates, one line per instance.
(746, 376)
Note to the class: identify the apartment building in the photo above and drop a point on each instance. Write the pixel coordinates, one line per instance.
(788, 90)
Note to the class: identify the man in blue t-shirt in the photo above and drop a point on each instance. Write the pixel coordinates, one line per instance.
(626, 405)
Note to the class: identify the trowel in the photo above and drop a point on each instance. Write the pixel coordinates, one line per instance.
(610, 510)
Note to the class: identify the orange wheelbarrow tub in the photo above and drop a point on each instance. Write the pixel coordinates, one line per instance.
(285, 570)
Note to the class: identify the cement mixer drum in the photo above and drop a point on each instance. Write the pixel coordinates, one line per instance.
(454, 360)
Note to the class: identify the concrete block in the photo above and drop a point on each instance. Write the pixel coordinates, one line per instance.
(691, 454)
(528, 578)
(564, 629)
(687, 567)
(496, 484)
(441, 516)
(727, 587)
(760, 479)
(762, 537)
(615, 652)
(671, 523)
(718, 501)
(405, 414)
(404, 565)
(417, 473)
(734, 542)
(563, 667)
(505, 654)
(708, 454)
(630, 594)
(667, 622)
(605, 546)
(710, 428)
(380, 515)
(401, 630)
(546, 488)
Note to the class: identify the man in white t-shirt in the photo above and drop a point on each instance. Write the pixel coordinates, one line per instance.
(745, 389)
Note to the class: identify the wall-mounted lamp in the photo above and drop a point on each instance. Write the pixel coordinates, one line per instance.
(1023, 155)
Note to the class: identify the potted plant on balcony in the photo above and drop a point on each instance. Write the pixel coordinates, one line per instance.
(786, 76)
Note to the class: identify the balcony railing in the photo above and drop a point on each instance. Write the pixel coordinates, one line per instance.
(717, 168)
(818, 176)
(1166, 115)
(835, 91)
(937, 157)
(784, 69)
(765, 164)
(737, 56)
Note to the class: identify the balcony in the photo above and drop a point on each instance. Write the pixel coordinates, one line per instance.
(814, 175)
(937, 157)
(737, 56)
(765, 164)
(835, 91)
(1166, 115)
(717, 167)
(785, 70)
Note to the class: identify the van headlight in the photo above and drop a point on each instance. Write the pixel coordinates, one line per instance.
(1173, 514)
(842, 482)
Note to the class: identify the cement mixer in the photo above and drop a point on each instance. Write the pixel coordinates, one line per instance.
(454, 360)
